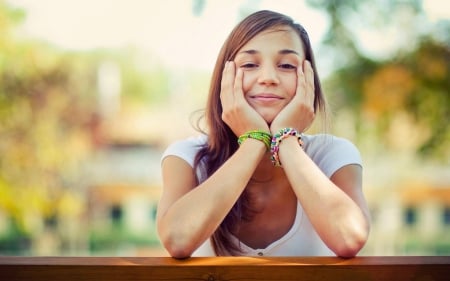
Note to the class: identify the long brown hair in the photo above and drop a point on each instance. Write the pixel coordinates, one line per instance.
(222, 142)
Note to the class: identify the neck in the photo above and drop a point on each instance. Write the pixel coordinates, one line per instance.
(266, 172)
(268, 186)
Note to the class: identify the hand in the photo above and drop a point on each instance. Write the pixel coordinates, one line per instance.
(237, 113)
(299, 112)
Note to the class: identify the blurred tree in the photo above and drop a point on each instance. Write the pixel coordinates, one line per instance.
(429, 102)
(50, 123)
(197, 7)
(412, 82)
(41, 142)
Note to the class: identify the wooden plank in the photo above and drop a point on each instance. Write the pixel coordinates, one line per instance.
(225, 268)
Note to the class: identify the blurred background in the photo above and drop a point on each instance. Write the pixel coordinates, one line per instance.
(91, 92)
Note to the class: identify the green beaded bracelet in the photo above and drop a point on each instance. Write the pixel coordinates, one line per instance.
(260, 135)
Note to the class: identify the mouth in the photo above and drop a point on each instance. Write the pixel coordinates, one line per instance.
(265, 97)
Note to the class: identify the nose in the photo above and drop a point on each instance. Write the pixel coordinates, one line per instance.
(268, 75)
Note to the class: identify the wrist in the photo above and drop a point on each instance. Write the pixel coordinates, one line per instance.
(259, 135)
(286, 135)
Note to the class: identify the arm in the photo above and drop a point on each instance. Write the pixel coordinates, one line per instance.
(189, 214)
(336, 207)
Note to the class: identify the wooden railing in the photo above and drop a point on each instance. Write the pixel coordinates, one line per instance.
(425, 268)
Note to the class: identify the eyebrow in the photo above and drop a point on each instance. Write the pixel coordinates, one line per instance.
(281, 52)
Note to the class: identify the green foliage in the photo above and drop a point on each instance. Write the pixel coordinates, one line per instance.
(48, 112)
(430, 101)
(112, 239)
(413, 82)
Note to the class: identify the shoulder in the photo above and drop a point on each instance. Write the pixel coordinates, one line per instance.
(186, 149)
(326, 143)
(331, 152)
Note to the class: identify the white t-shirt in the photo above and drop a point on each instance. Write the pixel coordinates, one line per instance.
(330, 153)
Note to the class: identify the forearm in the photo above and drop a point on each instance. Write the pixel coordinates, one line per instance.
(337, 218)
(194, 217)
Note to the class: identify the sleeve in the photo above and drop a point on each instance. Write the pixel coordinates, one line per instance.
(187, 150)
(331, 153)
(184, 149)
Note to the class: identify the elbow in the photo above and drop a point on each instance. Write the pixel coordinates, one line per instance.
(177, 246)
(352, 243)
(178, 252)
(349, 250)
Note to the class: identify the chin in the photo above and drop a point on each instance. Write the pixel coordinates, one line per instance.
(268, 116)
(269, 120)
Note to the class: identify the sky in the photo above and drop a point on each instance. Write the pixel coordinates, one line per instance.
(170, 30)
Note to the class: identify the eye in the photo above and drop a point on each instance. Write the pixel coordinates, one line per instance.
(287, 66)
(249, 65)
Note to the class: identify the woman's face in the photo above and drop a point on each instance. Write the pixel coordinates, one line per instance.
(269, 62)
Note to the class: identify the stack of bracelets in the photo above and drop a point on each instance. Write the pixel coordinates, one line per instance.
(276, 140)
(272, 142)
(260, 135)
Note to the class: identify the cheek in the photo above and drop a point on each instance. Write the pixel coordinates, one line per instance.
(290, 85)
(247, 81)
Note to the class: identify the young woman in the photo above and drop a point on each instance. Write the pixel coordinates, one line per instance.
(254, 183)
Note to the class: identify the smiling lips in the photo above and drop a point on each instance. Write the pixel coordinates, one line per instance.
(266, 97)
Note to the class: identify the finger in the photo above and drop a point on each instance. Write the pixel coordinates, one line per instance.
(309, 74)
(301, 81)
(238, 92)
(225, 83)
(226, 86)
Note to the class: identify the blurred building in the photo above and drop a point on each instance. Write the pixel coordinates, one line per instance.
(412, 218)
(122, 175)
(122, 197)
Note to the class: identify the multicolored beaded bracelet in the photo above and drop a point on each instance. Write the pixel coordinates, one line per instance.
(260, 135)
(276, 140)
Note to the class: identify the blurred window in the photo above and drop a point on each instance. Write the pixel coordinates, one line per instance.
(116, 213)
(446, 215)
(410, 216)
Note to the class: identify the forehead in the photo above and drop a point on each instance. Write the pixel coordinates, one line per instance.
(277, 38)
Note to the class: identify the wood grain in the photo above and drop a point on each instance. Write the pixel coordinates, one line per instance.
(225, 268)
